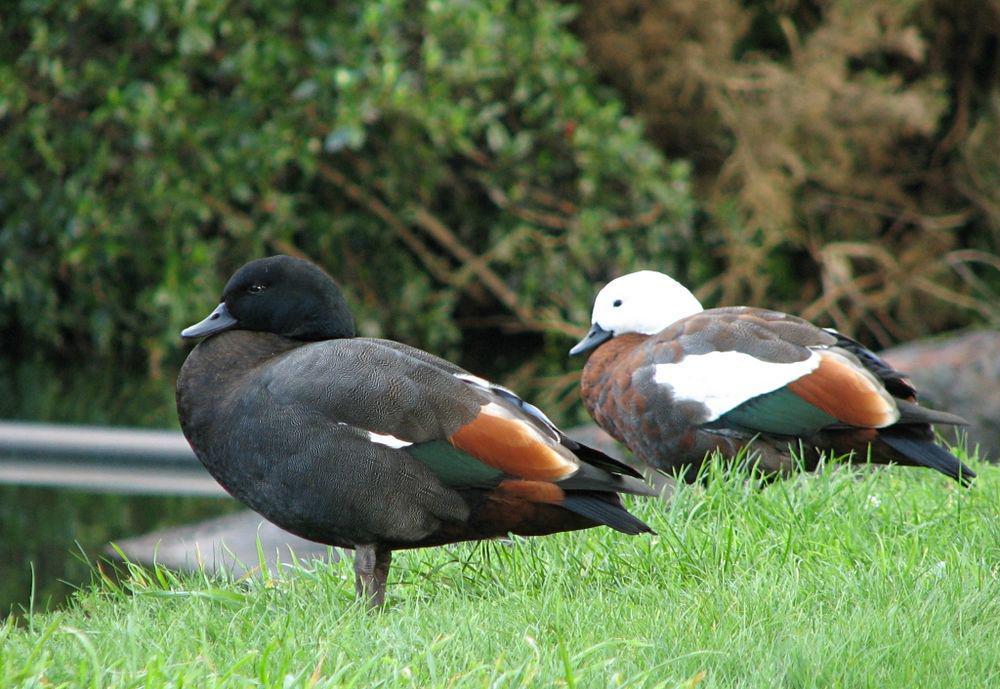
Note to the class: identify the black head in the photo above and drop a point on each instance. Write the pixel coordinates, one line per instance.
(282, 295)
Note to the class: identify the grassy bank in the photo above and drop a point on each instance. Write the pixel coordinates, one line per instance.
(846, 579)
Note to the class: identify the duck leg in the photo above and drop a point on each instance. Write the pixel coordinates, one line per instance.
(371, 569)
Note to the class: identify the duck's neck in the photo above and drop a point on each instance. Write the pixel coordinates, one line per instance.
(602, 361)
(212, 368)
(238, 351)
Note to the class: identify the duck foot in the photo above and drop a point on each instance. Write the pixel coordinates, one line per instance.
(371, 569)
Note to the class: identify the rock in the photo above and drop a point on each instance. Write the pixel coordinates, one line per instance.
(224, 544)
(958, 373)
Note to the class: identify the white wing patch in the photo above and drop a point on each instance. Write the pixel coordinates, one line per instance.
(387, 440)
(380, 438)
(723, 381)
(475, 380)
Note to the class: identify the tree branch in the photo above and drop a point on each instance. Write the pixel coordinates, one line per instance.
(435, 266)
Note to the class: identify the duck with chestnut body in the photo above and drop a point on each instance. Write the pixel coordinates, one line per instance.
(674, 382)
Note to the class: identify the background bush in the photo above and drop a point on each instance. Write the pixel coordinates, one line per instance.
(455, 165)
(463, 171)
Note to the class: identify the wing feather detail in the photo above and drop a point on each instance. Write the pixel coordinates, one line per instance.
(513, 445)
(847, 392)
(721, 381)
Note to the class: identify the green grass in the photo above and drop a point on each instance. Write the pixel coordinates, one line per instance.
(846, 579)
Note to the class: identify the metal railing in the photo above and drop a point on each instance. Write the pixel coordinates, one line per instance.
(114, 460)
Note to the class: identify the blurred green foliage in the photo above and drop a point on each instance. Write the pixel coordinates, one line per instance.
(454, 164)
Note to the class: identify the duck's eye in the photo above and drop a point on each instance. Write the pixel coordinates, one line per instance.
(617, 303)
(256, 287)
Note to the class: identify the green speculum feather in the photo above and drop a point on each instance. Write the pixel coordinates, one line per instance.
(454, 467)
(781, 412)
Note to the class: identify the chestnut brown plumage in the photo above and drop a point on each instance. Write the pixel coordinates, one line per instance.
(674, 382)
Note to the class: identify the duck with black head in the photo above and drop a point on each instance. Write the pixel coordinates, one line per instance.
(371, 444)
(675, 382)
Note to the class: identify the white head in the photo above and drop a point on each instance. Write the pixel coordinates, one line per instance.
(643, 302)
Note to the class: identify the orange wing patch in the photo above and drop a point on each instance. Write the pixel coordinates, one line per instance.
(512, 446)
(846, 392)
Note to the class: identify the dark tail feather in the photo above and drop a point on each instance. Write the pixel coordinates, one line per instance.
(603, 511)
(589, 478)
(928, 454)
(600, 459)
(914, 413)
